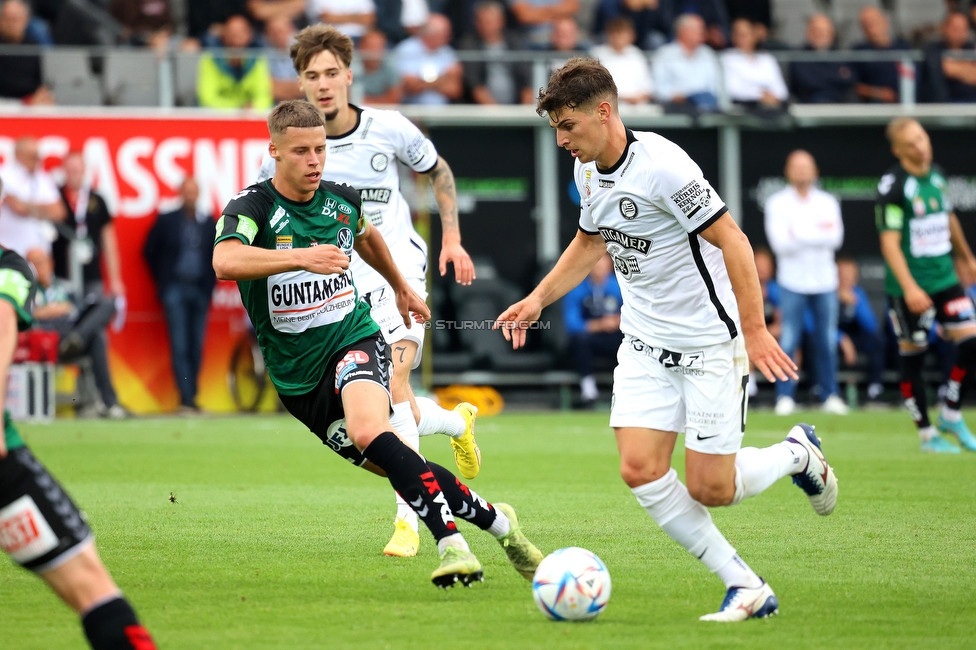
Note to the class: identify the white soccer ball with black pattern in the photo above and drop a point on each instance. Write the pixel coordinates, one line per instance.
(571, 584)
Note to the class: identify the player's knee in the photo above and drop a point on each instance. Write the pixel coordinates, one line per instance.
(711, 495)
(362, 432)
(637, 472)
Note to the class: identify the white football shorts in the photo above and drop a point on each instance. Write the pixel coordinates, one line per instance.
(700, 392)
(383, 309)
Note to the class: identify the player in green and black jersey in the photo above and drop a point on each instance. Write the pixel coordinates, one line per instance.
(921, 238)
(41, 528)
(287, 242)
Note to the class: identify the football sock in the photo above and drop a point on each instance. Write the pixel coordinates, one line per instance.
(588, 388)
(406, 427)
(927, 433)
(737, 573)
(965, 359)
(685, 520)
(757, 469)
(913, 389)
(466, 503)
(434, 419)
(112, 625)
(411, 477)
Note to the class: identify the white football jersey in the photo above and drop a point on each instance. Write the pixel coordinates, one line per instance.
(649, 208)
(366, 158)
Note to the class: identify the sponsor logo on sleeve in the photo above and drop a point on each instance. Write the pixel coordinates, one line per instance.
(417, 150)
(692, 198)
(379, 162)
(628, 209)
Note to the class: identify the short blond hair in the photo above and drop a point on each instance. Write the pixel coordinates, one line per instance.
(896, 126)
(296, 113)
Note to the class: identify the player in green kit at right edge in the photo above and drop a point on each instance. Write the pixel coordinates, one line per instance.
(287, 242)
(920, 236)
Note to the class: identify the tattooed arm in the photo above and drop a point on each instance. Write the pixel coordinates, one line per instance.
(445, 193)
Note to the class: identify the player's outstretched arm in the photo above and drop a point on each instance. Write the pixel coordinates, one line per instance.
(915, 297)
(762, 348)
(233, 260)
(374, 251)
(573, 266)
(445, 193)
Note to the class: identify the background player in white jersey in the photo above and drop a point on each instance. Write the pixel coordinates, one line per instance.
(686, 273)
(364, 147)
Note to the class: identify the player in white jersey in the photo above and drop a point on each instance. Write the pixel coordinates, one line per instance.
(692, 319)
(364, 146)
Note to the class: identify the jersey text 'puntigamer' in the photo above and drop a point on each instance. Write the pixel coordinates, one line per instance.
(649, 209)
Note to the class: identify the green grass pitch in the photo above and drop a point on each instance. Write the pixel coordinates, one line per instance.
(274, 542)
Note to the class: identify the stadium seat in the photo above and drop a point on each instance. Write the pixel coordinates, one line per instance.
(185, 73)
(918, 20)
(131, 77)
(790, 19)
(67, 72)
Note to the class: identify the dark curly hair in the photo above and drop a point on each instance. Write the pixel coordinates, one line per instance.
(579, 83)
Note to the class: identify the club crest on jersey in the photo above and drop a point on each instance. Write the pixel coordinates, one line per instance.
(375, 194)
(918, 206)
(628, 209)
(344, 240)
(586, 183)
(379, 162)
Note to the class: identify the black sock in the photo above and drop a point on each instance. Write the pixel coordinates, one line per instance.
(913, 389)
(413, 478)
(114, 626)
(463, 500)
(965, 360)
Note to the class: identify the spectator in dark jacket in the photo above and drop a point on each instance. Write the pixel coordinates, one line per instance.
(591, 315)
(179, 255)
(494, 82)
(21, 78)
(652, 19)
(945, 79)
(877, 81)
(858, 326)
(821, 82)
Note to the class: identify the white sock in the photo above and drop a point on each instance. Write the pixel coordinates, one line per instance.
(951, 415)
(927, 433)
(434, 419)
(737, 573)
(454, 540)
(757, 469)
(685, 520)
(588, 388)
(406, 427)
(501, 526)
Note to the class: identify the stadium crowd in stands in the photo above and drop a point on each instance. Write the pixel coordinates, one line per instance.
(684, 54)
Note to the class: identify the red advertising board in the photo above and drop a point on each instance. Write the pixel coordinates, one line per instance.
(137, 163)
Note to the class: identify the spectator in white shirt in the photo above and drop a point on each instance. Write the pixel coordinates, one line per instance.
(351, 17)
(429, 67)
(686, 71)
(626, 62)
(31, 202)
(752, 78)
(804, 228)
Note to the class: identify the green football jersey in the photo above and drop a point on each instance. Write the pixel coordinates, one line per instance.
(18, 287)
(302, 319)
(918, 208)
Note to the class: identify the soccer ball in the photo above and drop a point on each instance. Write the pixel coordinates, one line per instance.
(571, 584)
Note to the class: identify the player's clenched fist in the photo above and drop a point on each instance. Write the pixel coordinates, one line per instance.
(516, 319)
(325, 259)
